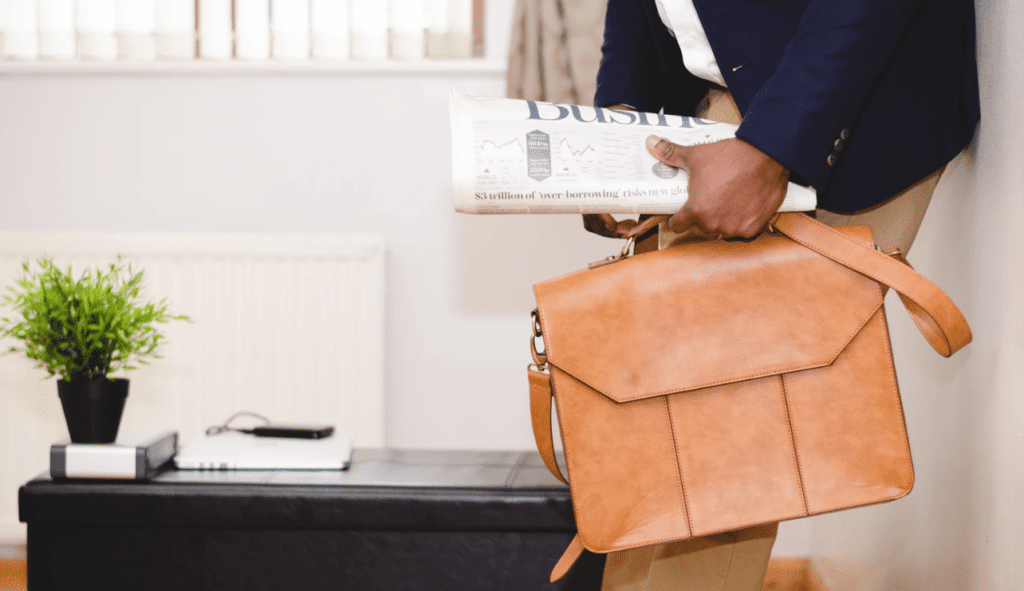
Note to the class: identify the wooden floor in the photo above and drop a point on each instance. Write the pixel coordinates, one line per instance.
(783, 575)
(791, 574)
(12, 574)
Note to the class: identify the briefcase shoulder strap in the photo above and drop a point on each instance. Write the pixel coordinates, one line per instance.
(569, 558)
(934, 313)
(540, 416)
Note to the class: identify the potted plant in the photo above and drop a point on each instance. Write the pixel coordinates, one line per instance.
(84, 330)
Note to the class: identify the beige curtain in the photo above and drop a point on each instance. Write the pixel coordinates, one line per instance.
(555, 50)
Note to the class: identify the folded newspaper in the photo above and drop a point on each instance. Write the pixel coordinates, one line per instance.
(515, 156)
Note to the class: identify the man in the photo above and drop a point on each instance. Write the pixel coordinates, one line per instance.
(866, 101)
(860, 99)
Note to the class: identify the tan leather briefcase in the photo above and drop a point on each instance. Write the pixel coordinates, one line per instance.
(721, 385)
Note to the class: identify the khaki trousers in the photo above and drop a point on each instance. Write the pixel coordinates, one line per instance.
(738, 561)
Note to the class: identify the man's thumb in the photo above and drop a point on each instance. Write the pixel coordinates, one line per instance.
(667, 152)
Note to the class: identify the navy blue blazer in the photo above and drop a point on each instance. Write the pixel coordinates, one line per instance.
(858, 98)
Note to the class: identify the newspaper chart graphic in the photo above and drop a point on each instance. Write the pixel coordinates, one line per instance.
(574, 157)
(567, 152)
(509, 149)
(497, 156)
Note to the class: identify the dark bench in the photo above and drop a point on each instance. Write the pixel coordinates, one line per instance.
(396, 520)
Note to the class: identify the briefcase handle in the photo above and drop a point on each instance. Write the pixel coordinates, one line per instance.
(934, 313)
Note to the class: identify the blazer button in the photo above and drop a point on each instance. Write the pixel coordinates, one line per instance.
(839, 145)
(831, 159)
(845, 133)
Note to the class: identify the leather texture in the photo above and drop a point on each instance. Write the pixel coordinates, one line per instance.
(397, 520)
(725, 384)
(384, 489)
(540, 409)
(569, 558)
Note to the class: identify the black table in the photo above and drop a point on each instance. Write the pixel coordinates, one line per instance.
(396, 520)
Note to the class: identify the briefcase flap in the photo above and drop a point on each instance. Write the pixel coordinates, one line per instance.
(704, 314)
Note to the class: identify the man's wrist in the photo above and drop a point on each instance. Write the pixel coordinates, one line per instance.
(766, 158)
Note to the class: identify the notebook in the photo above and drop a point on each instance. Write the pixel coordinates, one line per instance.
(136, 455)
(241, 451)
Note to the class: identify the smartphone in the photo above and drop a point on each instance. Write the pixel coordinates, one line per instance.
(293, 431)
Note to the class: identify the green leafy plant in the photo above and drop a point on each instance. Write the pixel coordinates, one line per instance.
(87, 328)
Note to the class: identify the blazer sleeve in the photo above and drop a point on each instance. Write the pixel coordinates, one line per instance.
(629, 73)
(805, 111)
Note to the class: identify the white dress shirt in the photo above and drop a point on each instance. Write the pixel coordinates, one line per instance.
(682, 21)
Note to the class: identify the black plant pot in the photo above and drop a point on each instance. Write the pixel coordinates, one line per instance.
(92, 408)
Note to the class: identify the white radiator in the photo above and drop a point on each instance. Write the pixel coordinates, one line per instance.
(289, 326)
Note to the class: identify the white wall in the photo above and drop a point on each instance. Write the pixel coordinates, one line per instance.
(292, 153)
(961, 527)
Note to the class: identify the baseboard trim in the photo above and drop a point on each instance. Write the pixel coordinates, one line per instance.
(12, 533)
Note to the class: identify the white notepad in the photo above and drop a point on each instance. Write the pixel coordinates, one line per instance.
(241, 451)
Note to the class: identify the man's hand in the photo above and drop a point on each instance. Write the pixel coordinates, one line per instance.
(604, 224)
(735, 189)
